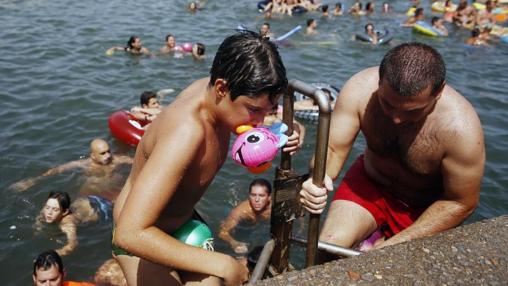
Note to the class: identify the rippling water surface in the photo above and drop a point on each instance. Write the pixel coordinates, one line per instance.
(57, 89)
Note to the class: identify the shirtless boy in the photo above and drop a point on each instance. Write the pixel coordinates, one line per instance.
(421, 171)
(179, 156)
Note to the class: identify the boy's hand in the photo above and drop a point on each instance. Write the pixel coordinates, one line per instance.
(293, 144)
(314, 198)
(236, 273)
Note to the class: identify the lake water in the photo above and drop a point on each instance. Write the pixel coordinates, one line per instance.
(57, 89)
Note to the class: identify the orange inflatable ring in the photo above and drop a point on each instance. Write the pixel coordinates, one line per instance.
(73, 283)
(125, 127)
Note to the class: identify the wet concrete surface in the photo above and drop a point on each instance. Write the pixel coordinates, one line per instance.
(474, 254)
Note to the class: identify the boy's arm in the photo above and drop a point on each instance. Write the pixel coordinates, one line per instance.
(152, 190)
(25, 184)
(68, 226)
(122, 159)
(229, 224)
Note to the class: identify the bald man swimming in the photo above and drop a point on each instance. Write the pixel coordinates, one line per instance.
(100, 170)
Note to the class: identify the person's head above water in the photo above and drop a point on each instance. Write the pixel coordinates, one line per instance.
(48, 269)
(170, 41)
(311, 23)
(434, 20)
(100, 152)
(265, 29)
(249, 65)
(56, 207)
(148, 99)
(134, 43)
(199, 49)
(369, 28)
(259, 194)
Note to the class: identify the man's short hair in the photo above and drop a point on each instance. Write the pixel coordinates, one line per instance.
(411, 67)
(324, 8)
(261, 182)
(266, 24)
(46, 260)
(250, 65)
(144, 98)
(63, 199)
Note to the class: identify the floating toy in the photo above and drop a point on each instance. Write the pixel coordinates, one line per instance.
(426, 29)
(125, 127)
(255, 147)
(382, 38)
(312, 115)
(195, 233)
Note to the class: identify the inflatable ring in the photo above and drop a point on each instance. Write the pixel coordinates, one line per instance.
(426, 29)
(312, 115)
(195, 233)
(382, 38)
(439, 7)
(262, 5)
(125, 127)
(298, 10)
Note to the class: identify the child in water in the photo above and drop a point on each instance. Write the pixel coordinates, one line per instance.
(58, 210)
(179, 156)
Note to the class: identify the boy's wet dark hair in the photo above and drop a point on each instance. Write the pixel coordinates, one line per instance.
(200, 49)
(131, 41)
(63, 199)
(263, 183)
(144, 98)
(250, 65)
(411, 67)
(324, 8)
(46, 260)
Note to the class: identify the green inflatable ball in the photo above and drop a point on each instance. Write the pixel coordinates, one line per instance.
(195, 233)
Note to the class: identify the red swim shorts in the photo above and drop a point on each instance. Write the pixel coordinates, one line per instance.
(391, 214)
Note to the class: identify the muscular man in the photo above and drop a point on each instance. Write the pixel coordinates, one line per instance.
(100, 169)
(421, 171)
(256, 208)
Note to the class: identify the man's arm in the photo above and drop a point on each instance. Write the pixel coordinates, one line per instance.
(462, 172)
(25, 184)
(238, 214)
(152, 190)
(344, 127)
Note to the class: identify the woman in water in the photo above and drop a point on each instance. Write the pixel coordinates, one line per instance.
(58, 210)
(133, 46)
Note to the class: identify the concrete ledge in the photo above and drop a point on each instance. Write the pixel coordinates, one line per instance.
(474, 254)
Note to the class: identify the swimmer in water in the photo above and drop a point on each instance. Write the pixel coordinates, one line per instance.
(133, 46)
(311, 27)
(100, 169)
(58, 210)
(256, 208)
(198, 51)
(170, 46)
(369, 30)
(438, 24)
(149, 109)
